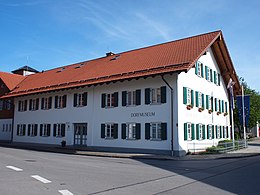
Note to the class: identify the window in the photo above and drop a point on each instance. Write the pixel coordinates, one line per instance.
(226, 108)
(1, 104)
(199, 99)
(109, 131)
(217, 131)
(22, 105)
(59, 130)
(200, 131)
(32, 130)
(46, 103)
(131, 131)
(188, 96)
(189, 131)
(10, 127)
(208, 73)
(209, 102)
(21, 129)
(155, 95)
(217, 106)
(45, 130)
(209, 132)
(34, 104)
(226, 132)
(156, 131)
(5, 105)
(60, 101)
(3, 128)
(109, 100)
(199, 69)
(216, 78)
(80, 99)
(131, 98)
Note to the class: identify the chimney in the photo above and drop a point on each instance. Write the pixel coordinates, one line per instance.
(109, 54)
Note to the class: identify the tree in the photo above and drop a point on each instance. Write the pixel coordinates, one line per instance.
(254, 107)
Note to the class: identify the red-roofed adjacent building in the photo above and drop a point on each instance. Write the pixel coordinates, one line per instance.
(170, 97)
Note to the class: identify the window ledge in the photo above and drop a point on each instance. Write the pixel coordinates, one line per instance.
(152, 139)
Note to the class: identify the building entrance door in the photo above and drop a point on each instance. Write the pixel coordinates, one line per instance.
(80, 134)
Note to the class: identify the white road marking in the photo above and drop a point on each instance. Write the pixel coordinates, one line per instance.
(65, 192)
(14, 168)
(41, 179)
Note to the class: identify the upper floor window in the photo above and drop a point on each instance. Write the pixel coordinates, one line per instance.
(59, 130)
(5, 104)
(155, 95)
(22, 105)
(131, 98)
(34, 104)
(109, 131)
(21, 128)
(45, 130)
(199, 99)
(46, 103)
(109, 100)
(131, 131)
(156, 131)
(216, 78)
(60, 101)
(188, 96)
(80, 99)
(209, 103)
(199, 69)
(32, 130)
(189, 131)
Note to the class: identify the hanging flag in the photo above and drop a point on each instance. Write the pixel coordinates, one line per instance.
(231, 92)
(246, 109)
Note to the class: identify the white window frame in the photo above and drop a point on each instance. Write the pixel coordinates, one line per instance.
(156, 131)
(130, 98)
(200, 99)
(45, 103)
(59, 129)
(45, 130)
(131, 131)
(80, 100)
(33, 105)
(218, 132)
(32, 130)
(199, 68)
(200, 131)
(208, 74)
(22, 107)
(60, 103)
(109, 130)
(110, 100)
(155, 95)
(20, 129)
(210, 131)
(189, 131)
(217, 82)
(189, 96)
(210, 103)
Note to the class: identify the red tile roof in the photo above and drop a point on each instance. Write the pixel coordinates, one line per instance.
(11, 80)
(179, 55)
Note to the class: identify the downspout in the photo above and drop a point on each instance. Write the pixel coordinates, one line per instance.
(171, 112)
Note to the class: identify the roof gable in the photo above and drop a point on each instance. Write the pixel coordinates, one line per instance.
(11, 80)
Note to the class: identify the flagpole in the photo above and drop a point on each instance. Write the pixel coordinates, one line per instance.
(243, 114)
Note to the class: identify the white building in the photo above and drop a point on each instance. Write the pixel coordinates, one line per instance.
(163, 98)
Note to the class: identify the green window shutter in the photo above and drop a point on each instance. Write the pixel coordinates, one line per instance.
(63, 126)
(202, 70)
(208, 132)
(213, 131)
(116, 99)
(75, 100)
(37, 104)
(124, 98)
(197, 98)
(85, 98)
(103, 126)
(185, 95)
(138, 97)
(196, 68)
(192, 97)
(64, 99)
(185, 131)
(138, 131)
(123, 129)
(35, 129)
(206, 73)
(203, 101)
(48, 129)
(29, 129)
(41, 127)
(50, 103)
(163, 94)
(207, 102)
(218, 79)
(147, 96)
(192, 131)
(222, 106)
(203, 132)
(216, 102)
(147, 130)
(164, 131)
(103, 100)
(211, 76)
(215, 77)
(54, 130)
(221, 128)
(115, 131)
(197, 131)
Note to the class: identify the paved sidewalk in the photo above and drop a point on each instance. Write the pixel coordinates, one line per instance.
(253, 149)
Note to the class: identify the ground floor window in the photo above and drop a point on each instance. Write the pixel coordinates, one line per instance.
(217, 131)
(21, 128)
(156, 131)
(200, 131)
(45, 130)
(59, 130)
(32, 130)
(131, 131)
(188, 131)
(209, 132)
(109, 131)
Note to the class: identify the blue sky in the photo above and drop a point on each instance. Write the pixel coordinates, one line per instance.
(49, 33)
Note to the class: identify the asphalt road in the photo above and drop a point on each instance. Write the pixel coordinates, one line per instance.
(31, 172)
